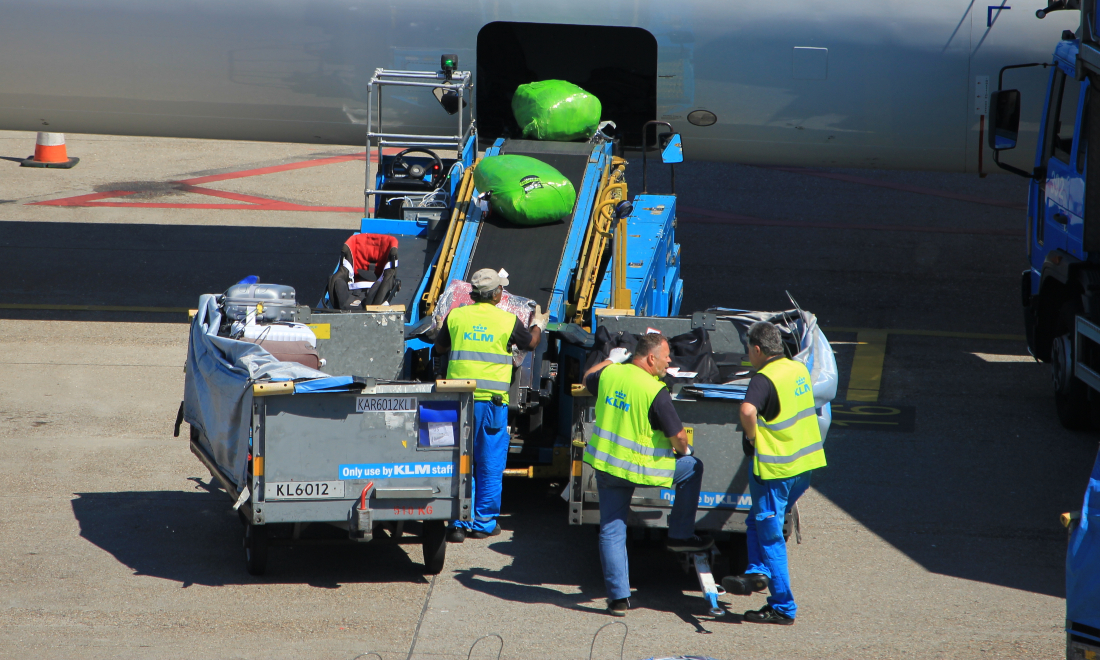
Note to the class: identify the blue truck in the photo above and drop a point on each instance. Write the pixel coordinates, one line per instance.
(1060, 289)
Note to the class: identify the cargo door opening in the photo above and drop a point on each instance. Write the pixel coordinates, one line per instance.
(616, 64)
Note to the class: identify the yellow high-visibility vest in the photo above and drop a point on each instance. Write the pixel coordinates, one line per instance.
(624, 443)
(791, 443)
(479, 348)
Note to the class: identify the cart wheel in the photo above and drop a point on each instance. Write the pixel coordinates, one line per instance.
(435, 545)
(255, 548)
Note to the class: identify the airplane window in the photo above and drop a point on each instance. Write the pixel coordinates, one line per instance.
(1067, 117)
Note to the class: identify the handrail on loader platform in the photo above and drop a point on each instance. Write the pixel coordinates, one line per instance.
(454, 230)
(612, 191)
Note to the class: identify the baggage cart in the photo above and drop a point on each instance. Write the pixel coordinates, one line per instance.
(366, 461)
(307, 457)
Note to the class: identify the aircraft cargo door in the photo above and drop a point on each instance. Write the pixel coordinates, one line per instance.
(616, 64)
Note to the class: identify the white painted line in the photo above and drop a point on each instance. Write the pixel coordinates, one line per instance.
(992, 357)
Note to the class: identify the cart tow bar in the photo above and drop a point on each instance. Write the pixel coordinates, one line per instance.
(362, 526)
(711, 591)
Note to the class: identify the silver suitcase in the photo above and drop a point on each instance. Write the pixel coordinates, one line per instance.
(278, 302)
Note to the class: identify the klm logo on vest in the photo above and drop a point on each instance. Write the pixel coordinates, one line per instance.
(478, 334)
(801, 386)
(618, 402)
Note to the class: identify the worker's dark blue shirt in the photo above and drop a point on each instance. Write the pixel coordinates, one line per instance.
(761, 394)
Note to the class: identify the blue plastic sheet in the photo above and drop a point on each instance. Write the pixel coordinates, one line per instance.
(1083, 560)
(709, 391)
(325, 385)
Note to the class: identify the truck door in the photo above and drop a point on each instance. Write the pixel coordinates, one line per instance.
(1076, 203)
(1088, 141)
(1064, 187)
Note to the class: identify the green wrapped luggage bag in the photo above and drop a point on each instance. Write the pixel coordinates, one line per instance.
(525, 190)
(556, 110)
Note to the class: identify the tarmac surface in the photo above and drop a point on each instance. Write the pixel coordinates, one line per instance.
(933, 533)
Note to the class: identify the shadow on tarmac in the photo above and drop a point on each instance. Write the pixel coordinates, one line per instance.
(964, 495)
(69, 263)
(194, 538)
(546, 565)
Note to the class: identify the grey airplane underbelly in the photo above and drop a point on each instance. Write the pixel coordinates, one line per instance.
(894, 84)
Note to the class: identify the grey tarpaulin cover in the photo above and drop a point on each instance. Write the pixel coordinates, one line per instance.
(217, 391)
(814, 351)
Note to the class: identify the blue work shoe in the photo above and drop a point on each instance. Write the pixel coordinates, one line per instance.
(767, 614)
(485, 535)
(456, 534)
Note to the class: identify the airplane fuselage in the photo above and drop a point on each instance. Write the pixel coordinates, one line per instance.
(894, 84)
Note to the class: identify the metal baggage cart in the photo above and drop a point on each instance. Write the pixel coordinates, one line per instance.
(366, 461)
(308, 457)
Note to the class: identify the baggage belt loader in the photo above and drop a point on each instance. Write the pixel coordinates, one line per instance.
(608, 252)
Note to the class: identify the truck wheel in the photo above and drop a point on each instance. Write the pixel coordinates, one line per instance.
(1070, 394)
(435, 545)
(255, 548)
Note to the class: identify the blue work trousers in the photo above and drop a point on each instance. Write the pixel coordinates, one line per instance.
(490, 456)
(772, 500)
(615, 494)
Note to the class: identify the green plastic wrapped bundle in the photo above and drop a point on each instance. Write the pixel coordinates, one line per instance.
(556, 110)
(525, 190)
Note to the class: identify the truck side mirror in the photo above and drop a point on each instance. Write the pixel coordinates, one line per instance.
(1004, 119)
(673, 152)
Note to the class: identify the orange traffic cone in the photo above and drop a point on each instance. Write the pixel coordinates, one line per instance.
(49, 151)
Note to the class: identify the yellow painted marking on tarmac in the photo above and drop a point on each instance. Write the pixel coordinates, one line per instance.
(932, 333)
(95, 308)
(866, 377)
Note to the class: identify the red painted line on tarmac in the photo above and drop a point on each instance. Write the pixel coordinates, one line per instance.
(259, 171)
(225, 194)
(898, 186)
(231, 207)
(246, 202)
(692, 214)
(82, 200)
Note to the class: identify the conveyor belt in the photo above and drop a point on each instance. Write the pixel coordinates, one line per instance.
(531, 255)
(414, 256)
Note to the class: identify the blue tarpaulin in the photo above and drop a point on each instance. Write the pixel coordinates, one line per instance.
(325, 385)
(1083, 563)
(709, 391)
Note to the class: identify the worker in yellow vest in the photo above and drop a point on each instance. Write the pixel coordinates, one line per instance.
(638, 440)
(479, 338)
(781, 434)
